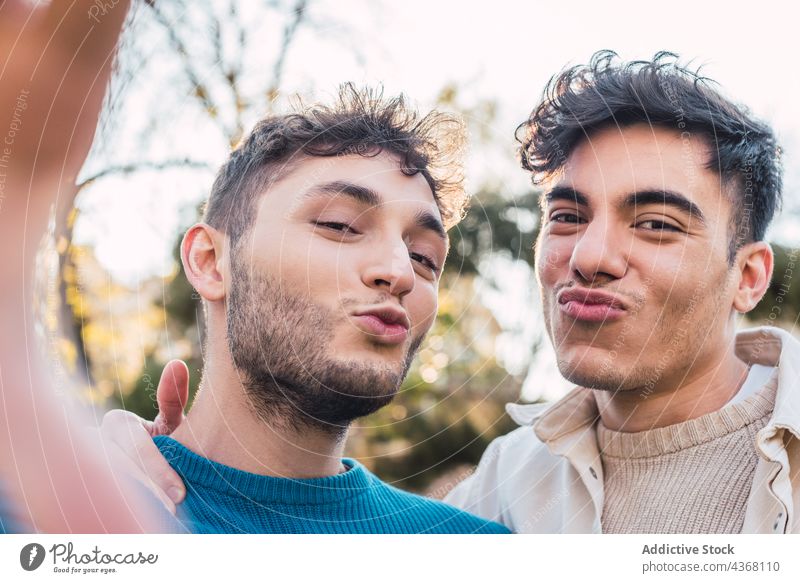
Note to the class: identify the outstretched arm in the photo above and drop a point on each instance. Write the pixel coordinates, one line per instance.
(55, 63)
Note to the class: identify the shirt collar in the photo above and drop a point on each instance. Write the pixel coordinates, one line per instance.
(770, 346)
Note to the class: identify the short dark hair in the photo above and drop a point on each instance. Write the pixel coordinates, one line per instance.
(359, 121)
(607, 91)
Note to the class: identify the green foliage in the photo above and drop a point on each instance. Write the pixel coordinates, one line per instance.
(494, 224)
(429, 430)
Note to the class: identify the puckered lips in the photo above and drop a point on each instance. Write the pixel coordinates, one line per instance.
(385, 325)
(591, 305)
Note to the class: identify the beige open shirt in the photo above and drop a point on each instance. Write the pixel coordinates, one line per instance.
(547, 477)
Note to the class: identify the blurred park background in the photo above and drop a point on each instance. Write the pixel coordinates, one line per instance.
(194, 76)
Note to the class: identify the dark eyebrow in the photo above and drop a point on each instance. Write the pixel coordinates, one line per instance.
(427, 220)
(639, 198)
(362, 194)
(566, 193)
(664, 197)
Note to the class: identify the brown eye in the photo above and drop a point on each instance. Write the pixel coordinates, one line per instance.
(334, 226)
(656, 225)
(424, 260)
(567, 218)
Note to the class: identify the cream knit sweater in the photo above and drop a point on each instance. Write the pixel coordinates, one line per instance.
(692, 477)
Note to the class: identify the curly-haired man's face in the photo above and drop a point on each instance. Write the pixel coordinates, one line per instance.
(334, 288)
(632, 260)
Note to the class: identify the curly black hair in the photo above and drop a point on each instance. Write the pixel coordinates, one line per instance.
(608, 91)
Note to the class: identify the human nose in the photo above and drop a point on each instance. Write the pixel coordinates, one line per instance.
(599, 253)
(390, 268)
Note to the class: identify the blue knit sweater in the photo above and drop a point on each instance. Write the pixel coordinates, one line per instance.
(221, 499)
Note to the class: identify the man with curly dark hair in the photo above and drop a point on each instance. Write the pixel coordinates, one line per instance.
(656, 194)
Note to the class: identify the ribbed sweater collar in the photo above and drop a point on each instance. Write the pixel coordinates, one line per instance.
(200, 472)
(674, 438)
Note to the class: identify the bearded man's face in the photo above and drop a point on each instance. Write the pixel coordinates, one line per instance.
(333, 290)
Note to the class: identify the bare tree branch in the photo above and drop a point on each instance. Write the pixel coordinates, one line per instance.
(200, 89)
(232, 77)
(289, 33)
(144, 166)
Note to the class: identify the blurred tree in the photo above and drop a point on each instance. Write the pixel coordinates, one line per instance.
(494, 224)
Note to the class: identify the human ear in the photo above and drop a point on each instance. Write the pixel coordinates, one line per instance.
(201, 255)
(755, 263)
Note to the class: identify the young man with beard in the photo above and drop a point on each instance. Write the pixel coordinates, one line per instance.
(318, 263)
(657, 192)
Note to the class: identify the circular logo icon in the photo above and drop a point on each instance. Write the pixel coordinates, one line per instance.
(31, 556)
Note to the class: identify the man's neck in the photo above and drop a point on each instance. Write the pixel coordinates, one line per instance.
(223, 427)
(700, 393)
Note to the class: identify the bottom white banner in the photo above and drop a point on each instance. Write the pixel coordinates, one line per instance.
(389, 558)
